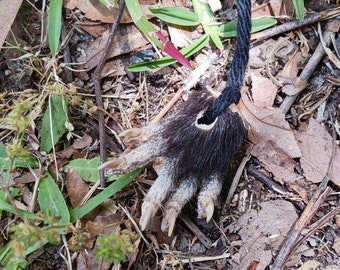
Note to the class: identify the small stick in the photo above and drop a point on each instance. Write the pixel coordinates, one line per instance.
(306, 73)
(168, 106)
(237, 177)
(313, 205)
(324, 15)
(267, 181)
(200, 235)
(97, 89)
(317, 199)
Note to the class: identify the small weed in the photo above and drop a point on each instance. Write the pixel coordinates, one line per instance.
(115, 246)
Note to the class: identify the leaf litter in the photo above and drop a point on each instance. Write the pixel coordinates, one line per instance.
(297, 154)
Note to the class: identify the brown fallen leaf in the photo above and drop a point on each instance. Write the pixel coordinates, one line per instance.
(126, 40)
(276, 7)
(82, 142)
(268, 124)
(262, 233)
(316, 147)
(180, 36)
(8, 12)
(276, 161)
(28, 177)
(76, 188)
(96, 11)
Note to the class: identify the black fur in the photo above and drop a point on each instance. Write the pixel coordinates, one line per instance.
(201, 153)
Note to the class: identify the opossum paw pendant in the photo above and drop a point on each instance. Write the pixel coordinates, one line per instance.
(194, 157)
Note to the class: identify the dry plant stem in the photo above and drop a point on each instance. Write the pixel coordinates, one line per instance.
(127, 213)
(318, 224)
(205, 259)
(317, 199)
(196, 231)
(237, 177)
(324, 15)
(315, 202)
(283, 28)
(168, 106)
(307, 72)
(97, 90)
(267, 181)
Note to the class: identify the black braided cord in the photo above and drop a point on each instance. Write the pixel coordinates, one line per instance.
(231, 94)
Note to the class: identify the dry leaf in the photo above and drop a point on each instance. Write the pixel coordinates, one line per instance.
(263, 91)
(96, 11)
(83, 142)
(8, 12)
(292, 66)
(276, 7)
(76, 188)
(126, 40)
(28, 177)
(276, 161)
(316, 147)
(261, 11)
(262, 232)
(268, 124)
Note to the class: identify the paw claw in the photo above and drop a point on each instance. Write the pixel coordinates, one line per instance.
(169, 221)
(206, 209)
(112, 164)
(131, 133)
(149, 210)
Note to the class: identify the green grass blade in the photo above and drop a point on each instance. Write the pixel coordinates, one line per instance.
(176, 15)
(208, 21)
(54, 24)
(228, 30)
(299, 6)
(105, 194)
(10, 209)
(141, 22)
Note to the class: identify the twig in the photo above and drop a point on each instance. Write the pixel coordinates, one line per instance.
(267, 181)
(318, 224)
(127, 213)
(237, 177)
(97, 88)
(317, 199)
(168, 106)
(196, 231)
(330, 13)
(294, 234)
(306, 73)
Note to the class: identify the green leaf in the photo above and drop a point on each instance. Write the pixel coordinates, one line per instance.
(51, 200)
(208, 21)
(141, 22)
(166, 61)
(18, 162)
(54, 24)
(299, 6)
(53, 125)
(176, 15)
(260, 24)
(87, 169)
(4, 206)
(105, 194)
(228, 30)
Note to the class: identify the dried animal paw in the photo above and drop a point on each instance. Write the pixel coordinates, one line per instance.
(195, 157)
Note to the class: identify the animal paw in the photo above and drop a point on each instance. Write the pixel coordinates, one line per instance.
(195, 158)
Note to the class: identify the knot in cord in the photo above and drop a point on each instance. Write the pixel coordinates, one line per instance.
(231, 94)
